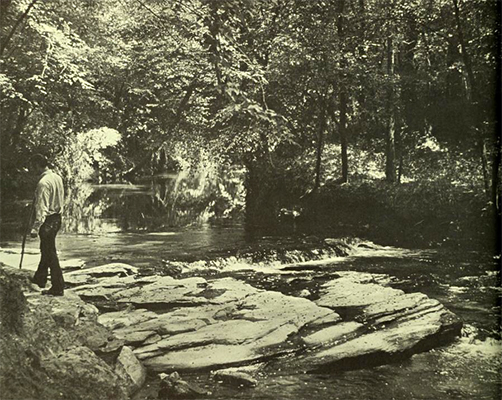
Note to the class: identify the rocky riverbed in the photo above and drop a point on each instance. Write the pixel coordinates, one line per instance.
(117, 323)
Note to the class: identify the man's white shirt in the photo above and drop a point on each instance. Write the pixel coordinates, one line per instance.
(49, 197)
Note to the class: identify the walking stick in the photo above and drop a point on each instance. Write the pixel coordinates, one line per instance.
(26, 229)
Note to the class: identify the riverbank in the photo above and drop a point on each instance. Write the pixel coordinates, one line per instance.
(426, 214)
(54, 348)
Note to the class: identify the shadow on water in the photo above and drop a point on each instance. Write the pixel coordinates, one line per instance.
(158, 204)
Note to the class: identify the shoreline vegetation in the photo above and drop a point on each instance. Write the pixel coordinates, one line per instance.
(412, 215)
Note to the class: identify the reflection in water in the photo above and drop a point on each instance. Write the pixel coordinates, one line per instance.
(162, 202)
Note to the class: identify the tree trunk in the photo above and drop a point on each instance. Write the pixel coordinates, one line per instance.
(214, 28)
(390, 139)
(260, 202)
(320, 144)
(390, 150)
(405, 68)
(484, 165)
(465, 55)
(343, 93)
(495, 190)
(497, 158)
(472, 94)
(252, 184)
(343, 136)
(182, 107)
(400, 168)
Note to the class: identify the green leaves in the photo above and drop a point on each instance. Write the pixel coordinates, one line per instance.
(243, 78)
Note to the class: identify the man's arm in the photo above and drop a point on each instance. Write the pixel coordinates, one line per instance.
(41, 207)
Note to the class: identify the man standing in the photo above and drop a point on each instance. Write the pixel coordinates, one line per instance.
(49, 199)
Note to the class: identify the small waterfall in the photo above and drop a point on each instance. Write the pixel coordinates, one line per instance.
(279, 261)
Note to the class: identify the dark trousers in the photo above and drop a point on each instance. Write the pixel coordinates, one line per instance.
(49, 259)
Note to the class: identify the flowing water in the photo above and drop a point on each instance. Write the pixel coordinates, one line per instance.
(467, 283)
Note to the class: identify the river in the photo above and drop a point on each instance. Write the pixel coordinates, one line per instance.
(468, 283)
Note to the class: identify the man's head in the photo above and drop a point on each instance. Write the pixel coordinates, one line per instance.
(38, 163)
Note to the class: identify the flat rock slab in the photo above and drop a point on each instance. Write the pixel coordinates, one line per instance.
(125, 318)
(88, 275)
(250, 328)
(390, 324)
(193, 323)
(354, 291)
(202, 358)
(331, 334)
(165, 290)
(401, 339)
(210, 315)
(105, 287)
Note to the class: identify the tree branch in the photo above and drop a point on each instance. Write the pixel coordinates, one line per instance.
(4, 44)
(179, 113)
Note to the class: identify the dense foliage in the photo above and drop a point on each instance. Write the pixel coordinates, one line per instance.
(300, 93)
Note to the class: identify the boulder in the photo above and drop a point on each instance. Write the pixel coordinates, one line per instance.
(54, 353)
(71, 313)
(241, 376)
(173, 387)
(131, 369)
(65, 309)
(95, 378)
(100, 340)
